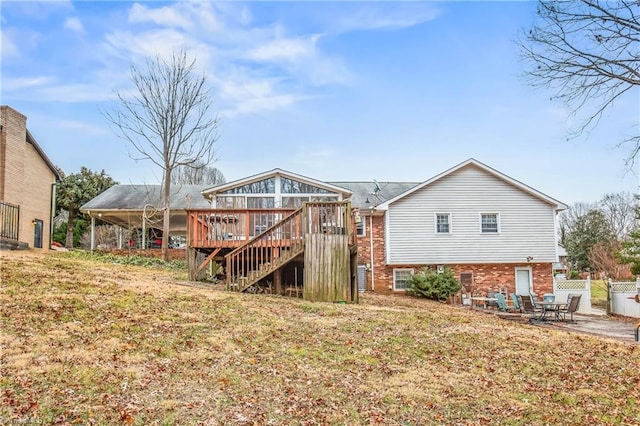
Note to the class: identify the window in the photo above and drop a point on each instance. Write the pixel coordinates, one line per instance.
(360, 228)
(290, 186)
(443, 225)
(401, 278)
(489, 222)
(260, 202)
(265, 186)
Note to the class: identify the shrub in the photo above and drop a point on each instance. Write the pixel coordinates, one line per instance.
(433, 285)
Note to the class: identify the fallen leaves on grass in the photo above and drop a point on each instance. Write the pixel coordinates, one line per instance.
(89, 344)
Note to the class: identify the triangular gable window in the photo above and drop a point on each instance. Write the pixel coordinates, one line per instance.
(290, 186)
(265, 186)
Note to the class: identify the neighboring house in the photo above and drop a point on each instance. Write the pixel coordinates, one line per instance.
(27, 185)
(492, 230)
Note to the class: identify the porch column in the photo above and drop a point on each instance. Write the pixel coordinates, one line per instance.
(93, 233)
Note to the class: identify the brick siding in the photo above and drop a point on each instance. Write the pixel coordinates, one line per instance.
(25, 178)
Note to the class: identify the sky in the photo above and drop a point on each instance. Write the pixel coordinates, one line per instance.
(336, 91)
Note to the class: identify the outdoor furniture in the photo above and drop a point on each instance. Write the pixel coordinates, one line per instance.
(491, 299)
(550, 306)
(516, 303)
(502, 303)
(484, 301)
(528, 307)
(573, 302)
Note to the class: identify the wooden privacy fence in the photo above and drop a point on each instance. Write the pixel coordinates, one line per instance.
(622, 295)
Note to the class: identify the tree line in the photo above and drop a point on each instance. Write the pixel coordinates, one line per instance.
(603, 236)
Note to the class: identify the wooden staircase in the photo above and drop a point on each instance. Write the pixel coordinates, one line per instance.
(321, 234)
(265, 253)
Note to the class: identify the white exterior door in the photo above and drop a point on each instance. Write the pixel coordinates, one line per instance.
(523, 281)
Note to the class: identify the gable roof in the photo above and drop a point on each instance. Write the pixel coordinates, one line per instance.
(369, 194)
(31, 140)
(211, 191)
(475, 163)
(136, 197)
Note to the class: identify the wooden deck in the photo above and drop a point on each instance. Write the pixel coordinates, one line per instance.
(258, 243)
(224, 228)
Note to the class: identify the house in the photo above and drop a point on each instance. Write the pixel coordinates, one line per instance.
(27, 185)
(494, 232)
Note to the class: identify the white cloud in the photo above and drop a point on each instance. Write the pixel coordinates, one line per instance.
(9, 48)
(386, 17)
(168, 16)
(252, 96)
(129, 45)
(285, 49)
(74, 24)
(21, 83)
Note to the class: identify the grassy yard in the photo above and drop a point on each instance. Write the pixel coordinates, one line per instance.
(599, 294)
(87, 342)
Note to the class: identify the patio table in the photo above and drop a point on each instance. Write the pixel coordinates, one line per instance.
(548, 307)
(482, 301)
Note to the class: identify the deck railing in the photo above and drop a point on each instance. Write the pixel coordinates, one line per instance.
(9, 221)
(229, 227)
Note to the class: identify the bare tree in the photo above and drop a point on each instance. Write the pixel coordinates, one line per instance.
(587, 51)
(168, 121)
(197, 174)
(619, 209)
(602, 258)
(569, 218)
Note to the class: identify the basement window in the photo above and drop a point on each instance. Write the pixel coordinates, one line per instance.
(401, 278)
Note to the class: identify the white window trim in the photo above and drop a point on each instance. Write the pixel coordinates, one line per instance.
(394, 277)
(435, 223)
(497, 219)
(364, 227)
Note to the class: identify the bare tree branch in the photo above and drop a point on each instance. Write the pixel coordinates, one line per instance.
(588, 52)
(168, 121)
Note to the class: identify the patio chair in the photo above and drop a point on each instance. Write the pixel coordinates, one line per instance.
(516, 302)
(502, 303)
(528, 307)
(492, 295)
(573, 302)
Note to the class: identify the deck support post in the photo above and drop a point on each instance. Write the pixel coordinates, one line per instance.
(191, 263)
(277, 281)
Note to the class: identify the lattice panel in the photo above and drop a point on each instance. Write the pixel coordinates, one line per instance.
(571, 285)
(623, 287)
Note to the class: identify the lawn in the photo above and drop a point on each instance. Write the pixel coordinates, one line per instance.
(89, 342)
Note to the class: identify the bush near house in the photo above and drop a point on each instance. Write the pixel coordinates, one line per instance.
(433, 285)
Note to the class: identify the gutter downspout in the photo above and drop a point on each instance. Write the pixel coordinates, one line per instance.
(52, 215)
(371, 257)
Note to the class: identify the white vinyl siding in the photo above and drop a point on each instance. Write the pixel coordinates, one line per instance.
(401, 278)
(526, 223)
